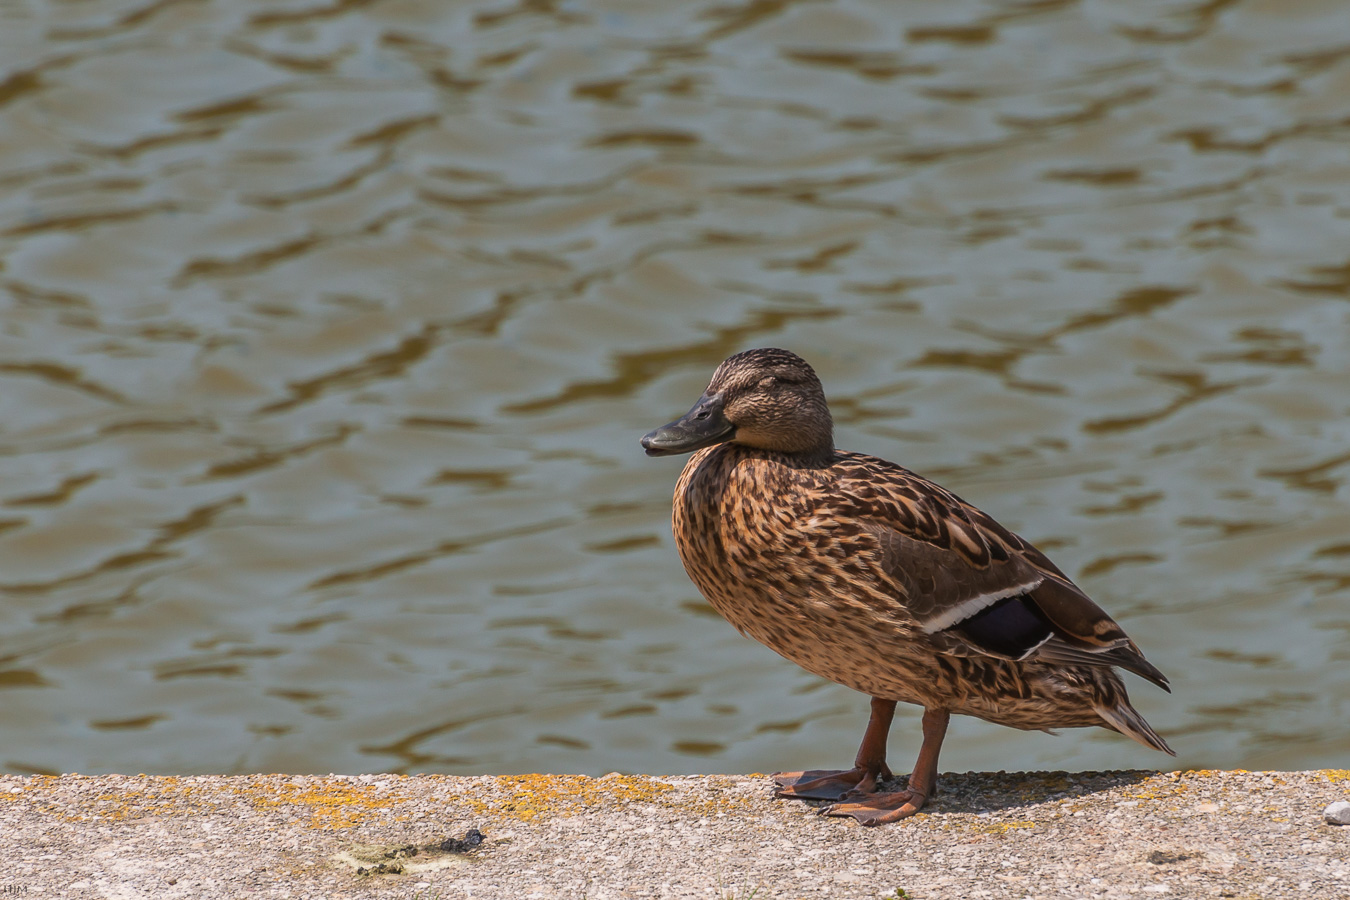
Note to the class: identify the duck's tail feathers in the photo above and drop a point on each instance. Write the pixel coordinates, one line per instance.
(1127, 656)
(1124, 718)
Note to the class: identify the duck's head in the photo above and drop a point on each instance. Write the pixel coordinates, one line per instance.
(768, 399)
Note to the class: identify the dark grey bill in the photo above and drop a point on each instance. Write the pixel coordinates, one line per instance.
(702, 426)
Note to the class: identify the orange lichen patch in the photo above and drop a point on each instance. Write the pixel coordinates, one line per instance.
(1165, 785)
(1159, 787)
(323, 804)
(161, 796)
(1336, 775)
(328, 804)
(527, 797)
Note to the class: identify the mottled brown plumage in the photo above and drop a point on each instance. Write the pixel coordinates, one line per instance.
(867, 574)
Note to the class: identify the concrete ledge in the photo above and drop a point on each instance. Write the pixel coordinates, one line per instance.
(1096, 834)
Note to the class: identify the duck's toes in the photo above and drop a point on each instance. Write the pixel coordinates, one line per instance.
(879, 809)
(821, 784)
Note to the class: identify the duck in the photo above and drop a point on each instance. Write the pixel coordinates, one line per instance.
(872, 576)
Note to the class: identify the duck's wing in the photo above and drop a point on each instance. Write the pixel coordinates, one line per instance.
(1083, 632)
(975, 587)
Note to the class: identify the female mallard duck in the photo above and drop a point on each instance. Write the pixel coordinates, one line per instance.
(867, 574)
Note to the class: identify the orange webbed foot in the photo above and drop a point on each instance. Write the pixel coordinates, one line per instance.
(826, 784)
(878, 809)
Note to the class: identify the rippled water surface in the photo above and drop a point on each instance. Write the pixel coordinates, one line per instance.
(328, 331)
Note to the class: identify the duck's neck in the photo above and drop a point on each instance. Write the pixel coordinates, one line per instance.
(810, 458)
(810, 438)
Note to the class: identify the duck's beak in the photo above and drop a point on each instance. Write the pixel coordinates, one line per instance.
(702, 426)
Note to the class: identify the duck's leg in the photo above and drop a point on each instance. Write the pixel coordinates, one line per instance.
(868, 766)
(879, 809)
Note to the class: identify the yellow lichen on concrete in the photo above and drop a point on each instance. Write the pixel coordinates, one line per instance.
(338, 803)
(323, 804)
(327, 804)
(1159, 787)
(164, 795)
(528, 797)
(161, 796)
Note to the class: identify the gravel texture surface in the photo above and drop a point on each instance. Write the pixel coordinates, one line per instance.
(1056, 834)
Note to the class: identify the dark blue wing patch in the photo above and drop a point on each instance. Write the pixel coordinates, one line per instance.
(1012, 627)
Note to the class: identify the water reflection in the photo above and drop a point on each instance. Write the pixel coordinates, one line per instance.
(328, 332)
